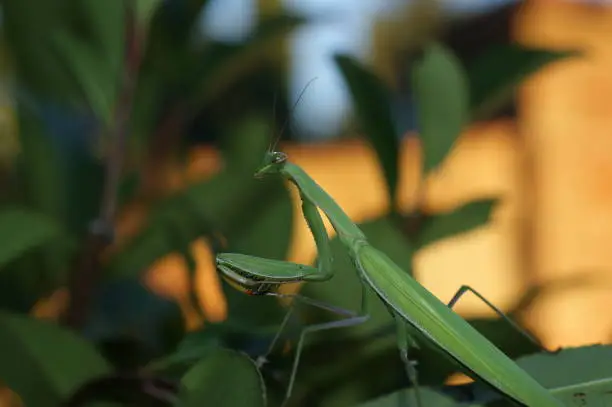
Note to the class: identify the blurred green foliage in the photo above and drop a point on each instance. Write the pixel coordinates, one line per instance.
(70, 61)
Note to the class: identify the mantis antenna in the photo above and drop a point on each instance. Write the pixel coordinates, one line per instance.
(274, 143)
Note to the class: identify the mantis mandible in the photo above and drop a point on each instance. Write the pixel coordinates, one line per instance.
(414, 308)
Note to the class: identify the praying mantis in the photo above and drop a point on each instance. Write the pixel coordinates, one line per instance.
(415, 310)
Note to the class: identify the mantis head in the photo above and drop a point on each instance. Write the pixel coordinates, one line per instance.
(274, 161)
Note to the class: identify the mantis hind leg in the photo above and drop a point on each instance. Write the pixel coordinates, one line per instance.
(465, 288)
(404, 342)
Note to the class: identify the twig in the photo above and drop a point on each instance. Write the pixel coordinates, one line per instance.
(87, 270)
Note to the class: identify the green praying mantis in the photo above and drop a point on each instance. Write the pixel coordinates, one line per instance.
(416, 311)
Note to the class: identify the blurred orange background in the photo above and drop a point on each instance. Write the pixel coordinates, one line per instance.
(552, 167)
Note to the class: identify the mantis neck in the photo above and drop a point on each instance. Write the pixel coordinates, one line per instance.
(345, 228)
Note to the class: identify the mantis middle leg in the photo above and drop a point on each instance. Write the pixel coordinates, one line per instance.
(404, 342)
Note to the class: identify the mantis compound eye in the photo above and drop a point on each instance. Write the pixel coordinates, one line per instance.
(279, 158)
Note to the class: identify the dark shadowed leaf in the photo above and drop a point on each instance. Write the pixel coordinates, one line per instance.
(495, 75)
(372, 103)
(442, 103)
(223, 378)
(463, 219)
(84, 177)
(22, 230)
(44, 363)
(127, 310)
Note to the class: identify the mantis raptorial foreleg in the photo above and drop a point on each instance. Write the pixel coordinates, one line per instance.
(465, 288)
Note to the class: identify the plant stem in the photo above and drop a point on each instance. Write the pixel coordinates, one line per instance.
(86, 273)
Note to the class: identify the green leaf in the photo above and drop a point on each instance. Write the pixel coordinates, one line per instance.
(106, 24)
(45, 190)
(231, 333)
(194, 346)
(463, 219)
(576, 376)
(224, 378)
(495, 75)
(90, 69)
(44, 363)
(22, 230)
(29, 28)
(94, 55)
(244, 146)
(145, 9)
(442, 102)
(372, 104)
(38, 166)
(32, 29)
(569, 366)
